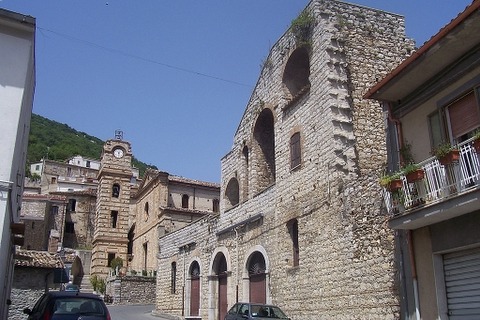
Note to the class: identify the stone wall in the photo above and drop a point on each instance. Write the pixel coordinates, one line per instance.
(34, 210)
(131, 289)
(28, 285)
(345, 268)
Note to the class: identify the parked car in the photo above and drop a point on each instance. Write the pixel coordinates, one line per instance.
(250, 311)
(68, 305)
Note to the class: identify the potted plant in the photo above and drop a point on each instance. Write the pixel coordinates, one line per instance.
(446, 153)
(391, 182)
(413, 172)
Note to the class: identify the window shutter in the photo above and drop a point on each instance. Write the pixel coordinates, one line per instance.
(464, 115)
(295, 150)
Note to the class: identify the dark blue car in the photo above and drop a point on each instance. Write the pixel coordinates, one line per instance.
(68, 305)
(254, 311)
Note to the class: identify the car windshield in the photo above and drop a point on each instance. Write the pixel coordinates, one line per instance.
(78, 305)
(262, 311)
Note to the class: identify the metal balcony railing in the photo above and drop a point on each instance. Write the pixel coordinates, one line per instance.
(439, 182)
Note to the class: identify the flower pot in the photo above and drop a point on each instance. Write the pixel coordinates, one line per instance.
(394, 185)
(476, 145)
(451, 157)
(415, 175)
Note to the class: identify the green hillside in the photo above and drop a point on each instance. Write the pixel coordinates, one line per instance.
(55, 141)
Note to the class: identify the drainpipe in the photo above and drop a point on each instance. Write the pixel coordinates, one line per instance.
(236, 273)
(414, 275)
(184, 282)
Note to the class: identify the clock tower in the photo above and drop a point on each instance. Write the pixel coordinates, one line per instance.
(110, 239)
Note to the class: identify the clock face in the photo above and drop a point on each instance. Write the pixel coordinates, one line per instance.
(118, 153)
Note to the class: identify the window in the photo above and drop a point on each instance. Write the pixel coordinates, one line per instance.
(54, 210)
(292, 226)
(69, 227)
(464, 115)
(146, 213)
(37, 167)
(185, 201)
(69, 172)
(295, 151)
(435, 129)
(114, 218)
(145, 255)
(87, 164)
(72, 204)
(216, 205)
(116, 190)
(53, 180)
(111, 256)
(173, 278)
(33, 225)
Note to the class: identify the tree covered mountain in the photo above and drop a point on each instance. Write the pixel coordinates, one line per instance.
(55, 141)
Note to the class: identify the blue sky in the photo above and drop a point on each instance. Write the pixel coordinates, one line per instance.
(174, 75)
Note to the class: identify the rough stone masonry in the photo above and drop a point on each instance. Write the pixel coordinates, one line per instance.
(301, 207)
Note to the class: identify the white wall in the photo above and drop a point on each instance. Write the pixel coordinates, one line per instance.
(17, 81)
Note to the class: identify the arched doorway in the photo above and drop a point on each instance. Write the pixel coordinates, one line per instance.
(220, 269)
(257, 278)
(194, 288)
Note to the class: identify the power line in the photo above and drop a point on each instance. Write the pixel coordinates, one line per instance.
(129, 55)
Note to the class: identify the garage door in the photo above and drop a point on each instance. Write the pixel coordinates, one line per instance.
(462, 281)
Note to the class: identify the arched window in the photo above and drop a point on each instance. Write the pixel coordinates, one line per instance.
(296, 74)
(185, 201)
(263, 151)
(232, 193)
(116, 190)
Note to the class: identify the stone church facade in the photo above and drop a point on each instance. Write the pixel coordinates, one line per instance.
(301, 223)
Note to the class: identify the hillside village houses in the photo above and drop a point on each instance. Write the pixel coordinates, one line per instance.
(17, 85)
(299, 218)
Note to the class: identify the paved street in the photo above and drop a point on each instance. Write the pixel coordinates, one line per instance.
(129, 312)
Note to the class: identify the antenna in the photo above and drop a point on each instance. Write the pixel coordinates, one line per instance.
(118, 135)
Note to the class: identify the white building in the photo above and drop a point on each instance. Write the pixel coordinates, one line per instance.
(84, 162)
(17, 83)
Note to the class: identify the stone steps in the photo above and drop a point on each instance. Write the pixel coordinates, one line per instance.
(85, 285)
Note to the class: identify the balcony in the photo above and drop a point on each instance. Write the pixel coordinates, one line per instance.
(445, 191)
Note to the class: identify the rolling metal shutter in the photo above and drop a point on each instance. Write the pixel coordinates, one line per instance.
(462, 282)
